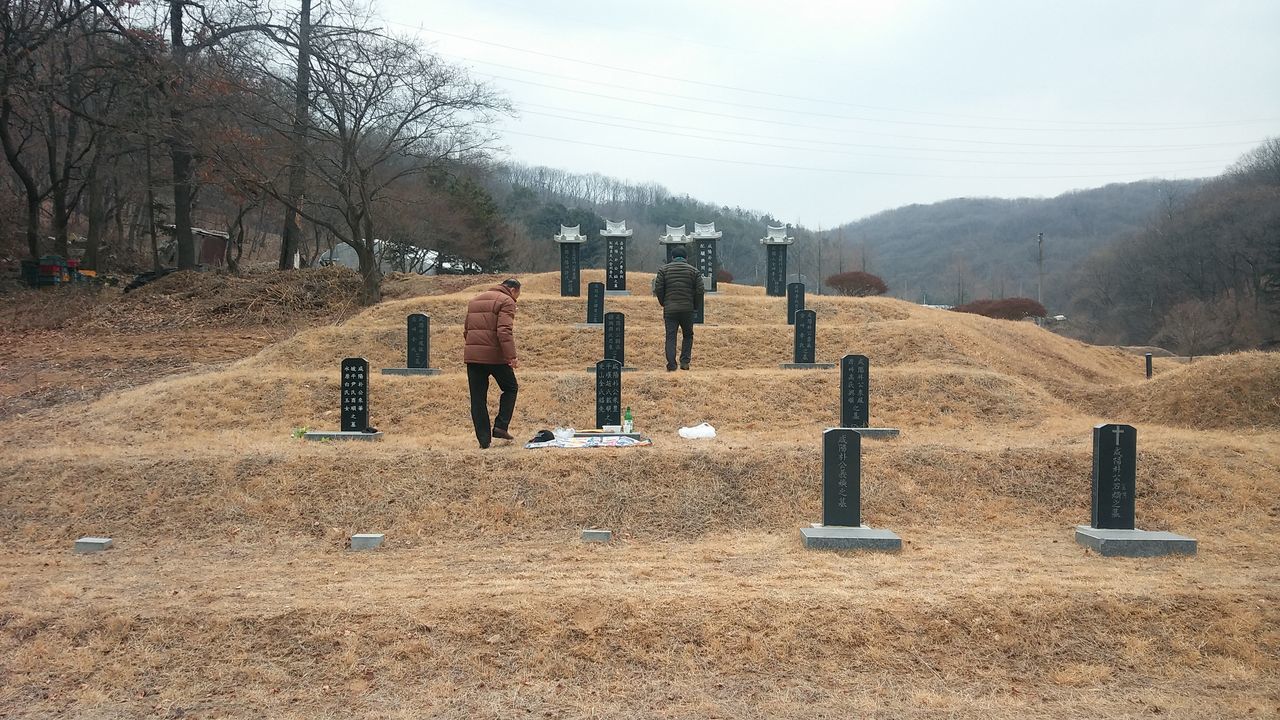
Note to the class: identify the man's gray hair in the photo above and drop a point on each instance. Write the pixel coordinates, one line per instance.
(512, 283)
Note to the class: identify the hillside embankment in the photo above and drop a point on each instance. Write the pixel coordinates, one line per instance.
(230, 594)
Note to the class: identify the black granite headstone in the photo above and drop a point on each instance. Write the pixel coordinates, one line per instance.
(699, 310)
(806, 337)
(776, 270)
(1115, 456)
(707, 263)
(795, 301)
(419, 341)
(615, 266)
(855, 389)
(1148, 356)
(615, 337)
(595, 303)
(570, 270)
(355, 394)
(841, 477)
(608, 393)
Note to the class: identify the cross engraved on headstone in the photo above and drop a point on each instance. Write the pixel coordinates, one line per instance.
(841, 477)
(855, 389)
(570, 270)
(806, 337)
(1115, 454)
(615, 334)
(355, 394)
(615, 274)
(608, 393)
(595, 303)
(795, 301)
(419, 341)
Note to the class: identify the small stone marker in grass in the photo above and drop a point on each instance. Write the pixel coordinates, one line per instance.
(366, 541)
(597, 536)
(1112, 531)
(841, 527)
(90, 544)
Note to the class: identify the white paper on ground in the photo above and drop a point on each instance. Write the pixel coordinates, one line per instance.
(702, 430)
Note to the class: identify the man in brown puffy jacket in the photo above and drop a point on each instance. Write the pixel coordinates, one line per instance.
(489, 349)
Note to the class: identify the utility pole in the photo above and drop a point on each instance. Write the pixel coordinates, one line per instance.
(1040, 266)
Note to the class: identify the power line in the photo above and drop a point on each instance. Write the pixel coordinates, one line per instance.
(848, 152)
(1151, 149)
(843, 171)
(855, 118)
(830, 129)
(753, 91)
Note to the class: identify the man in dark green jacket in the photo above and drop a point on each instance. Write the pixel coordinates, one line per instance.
(678, 288)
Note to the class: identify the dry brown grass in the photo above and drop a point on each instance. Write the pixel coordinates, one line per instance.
(230, 595)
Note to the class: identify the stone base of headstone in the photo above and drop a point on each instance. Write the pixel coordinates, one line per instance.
(592, 369)
(410, 371)
(597, 536)
(824, 537)
(92, 544)
(617, 292)
(366, 541)
(342, 435)
(877, 433)
(1134, 543)
(807, 366)
(589, 326)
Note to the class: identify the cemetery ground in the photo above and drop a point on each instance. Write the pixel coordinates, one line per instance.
(229, 592)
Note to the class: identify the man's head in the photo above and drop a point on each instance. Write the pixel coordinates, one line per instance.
(514, 284)
(679, 253)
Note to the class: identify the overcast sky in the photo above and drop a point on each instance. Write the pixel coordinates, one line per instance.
(826, 111)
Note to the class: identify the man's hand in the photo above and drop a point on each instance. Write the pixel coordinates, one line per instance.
(515, 364)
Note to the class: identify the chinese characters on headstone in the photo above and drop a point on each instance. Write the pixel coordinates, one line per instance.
(608, 393)
(419, 341)
(1115, 453)
(854, 391)
(795, 301)
(841, 477)
(595, 303)
(615, 337)
(355, 394)
(806, 337)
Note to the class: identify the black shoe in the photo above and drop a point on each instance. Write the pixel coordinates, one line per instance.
(502, 434)
(484, 446)
(671, 368)
(684, 366)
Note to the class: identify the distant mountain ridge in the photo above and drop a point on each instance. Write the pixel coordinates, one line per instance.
(966, 248)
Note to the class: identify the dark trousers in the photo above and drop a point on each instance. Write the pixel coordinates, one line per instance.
(478, 382)
(683, 321)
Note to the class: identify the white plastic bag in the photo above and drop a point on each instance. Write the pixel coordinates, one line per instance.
(562, 433)
(702, 430)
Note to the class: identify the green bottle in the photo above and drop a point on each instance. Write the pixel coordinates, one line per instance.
(628, 424)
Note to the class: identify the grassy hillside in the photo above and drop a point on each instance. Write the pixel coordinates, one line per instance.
(230, 593)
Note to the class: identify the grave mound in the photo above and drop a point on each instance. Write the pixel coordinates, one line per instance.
(1236, 391)
(215, 299)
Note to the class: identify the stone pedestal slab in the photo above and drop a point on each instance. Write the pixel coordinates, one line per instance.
(342, 435)
(93, 544)
(366, 541)
(827, 537)
(809, 366)
(597, 536)
(1134, 543)
(410, 371)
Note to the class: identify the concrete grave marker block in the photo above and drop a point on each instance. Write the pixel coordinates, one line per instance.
(366, 541)
(89, 544)
(597, 536)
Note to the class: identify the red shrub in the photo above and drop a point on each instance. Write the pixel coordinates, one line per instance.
(857, 283)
